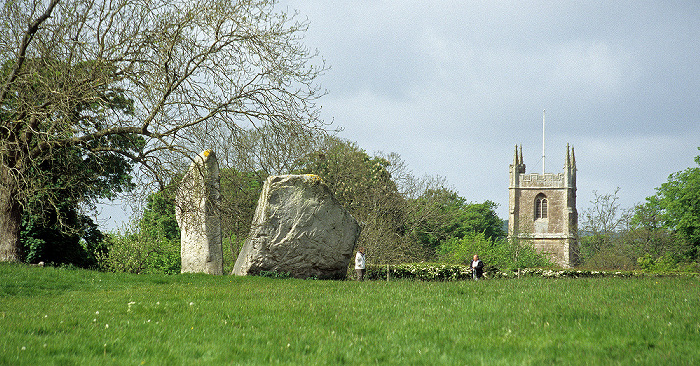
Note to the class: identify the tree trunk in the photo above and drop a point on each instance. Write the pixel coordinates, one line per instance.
(10, 220)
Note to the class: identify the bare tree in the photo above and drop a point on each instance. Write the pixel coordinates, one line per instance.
(604, 224)
(188, 71)
(605, 217)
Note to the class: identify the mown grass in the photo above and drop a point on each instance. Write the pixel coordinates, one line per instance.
(62, 316)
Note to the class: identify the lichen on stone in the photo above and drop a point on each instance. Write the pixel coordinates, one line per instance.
(313, 178)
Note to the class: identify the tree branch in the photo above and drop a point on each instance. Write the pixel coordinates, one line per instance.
(73, 141)
(26, 40)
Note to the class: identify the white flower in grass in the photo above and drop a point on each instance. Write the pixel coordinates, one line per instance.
(106, 326)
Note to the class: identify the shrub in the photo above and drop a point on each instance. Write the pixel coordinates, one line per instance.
(497, 254)
(75, 241)
(666, 263)
(133, 253)
(418, 271)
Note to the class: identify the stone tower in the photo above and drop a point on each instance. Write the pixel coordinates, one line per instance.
(542, 209)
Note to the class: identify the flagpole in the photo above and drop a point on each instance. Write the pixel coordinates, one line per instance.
(543, 141)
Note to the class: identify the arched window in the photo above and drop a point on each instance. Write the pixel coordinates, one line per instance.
(540, 206)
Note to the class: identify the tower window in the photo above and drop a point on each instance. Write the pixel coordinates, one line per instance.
(541, 207)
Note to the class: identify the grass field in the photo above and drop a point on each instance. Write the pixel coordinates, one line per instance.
(66, 317)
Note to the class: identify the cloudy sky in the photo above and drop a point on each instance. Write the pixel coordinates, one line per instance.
(452, 86)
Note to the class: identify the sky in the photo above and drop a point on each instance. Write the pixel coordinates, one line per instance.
(453, 86)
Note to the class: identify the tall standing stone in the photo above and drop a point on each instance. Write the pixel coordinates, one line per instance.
(197, 212)
(299, 228)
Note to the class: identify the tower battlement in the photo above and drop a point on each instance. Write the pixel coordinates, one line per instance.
(547, 180)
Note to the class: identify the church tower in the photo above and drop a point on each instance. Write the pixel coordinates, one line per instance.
(542, 209)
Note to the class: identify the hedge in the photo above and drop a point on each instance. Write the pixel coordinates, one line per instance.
(418, 271)
(452, 272)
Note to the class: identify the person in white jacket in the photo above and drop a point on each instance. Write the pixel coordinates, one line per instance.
(360, 264)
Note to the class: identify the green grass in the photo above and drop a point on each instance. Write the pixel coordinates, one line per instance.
(66, 317)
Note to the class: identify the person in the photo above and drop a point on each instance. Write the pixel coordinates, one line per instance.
(360, 264)
(477, 268)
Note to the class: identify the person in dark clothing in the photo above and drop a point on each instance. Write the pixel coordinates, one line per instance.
(477, 268)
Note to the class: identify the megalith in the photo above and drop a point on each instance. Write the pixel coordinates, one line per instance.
(197, 213)
(299, 228)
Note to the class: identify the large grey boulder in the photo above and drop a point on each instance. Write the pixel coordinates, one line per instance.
(197, 213)
(299, 228)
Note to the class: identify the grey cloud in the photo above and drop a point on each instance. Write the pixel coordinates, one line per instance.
(452, 86)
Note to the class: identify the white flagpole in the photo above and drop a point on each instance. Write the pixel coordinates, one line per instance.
(543, 141)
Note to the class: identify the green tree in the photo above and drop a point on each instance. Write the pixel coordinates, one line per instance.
(661, 234)
(195, 71)
(54, 229)
(441, 214)
(78, 243)
(363, 185)
(650, 238)
(676, 207)
(158, 220)
(481, 218)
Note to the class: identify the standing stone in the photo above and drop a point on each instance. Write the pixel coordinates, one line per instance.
(299, 228)
(197, 212)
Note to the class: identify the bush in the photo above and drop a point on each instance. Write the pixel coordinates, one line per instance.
(133, 253)
(500, 254)
(452, 272)
(418, 271)
(75, 241)
(666, 263)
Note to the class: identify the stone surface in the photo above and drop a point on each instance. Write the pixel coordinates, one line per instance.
(299, 228)
(555, 234)
(197, 213)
